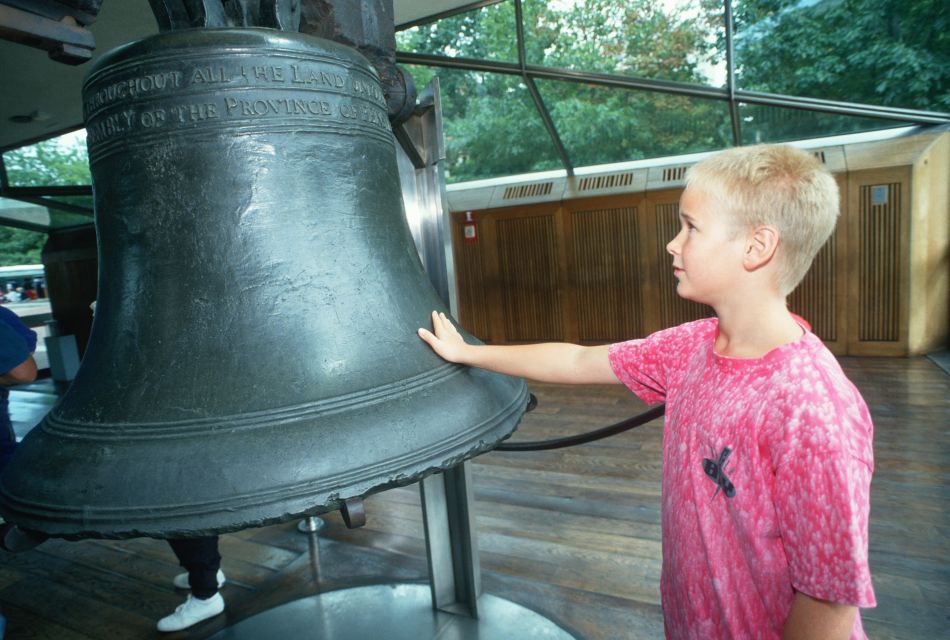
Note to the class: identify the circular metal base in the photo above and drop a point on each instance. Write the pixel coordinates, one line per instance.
(310, 524)
(398, 611)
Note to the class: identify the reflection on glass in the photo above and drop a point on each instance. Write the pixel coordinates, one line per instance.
(602, 124)
(491, 125)
(487, 33)
(64, 219)
(60, 161)
(23, 213)
(17, 213)
(659, 39)
(867, 51)
(77, 201)
(777, 124)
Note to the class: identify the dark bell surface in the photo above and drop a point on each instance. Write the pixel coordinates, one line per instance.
(249, 217)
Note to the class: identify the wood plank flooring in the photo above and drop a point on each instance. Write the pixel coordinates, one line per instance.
(572, 533)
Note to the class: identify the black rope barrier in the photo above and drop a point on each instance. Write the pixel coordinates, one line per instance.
(583, 438)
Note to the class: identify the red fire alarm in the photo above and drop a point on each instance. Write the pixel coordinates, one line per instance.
(470, 228)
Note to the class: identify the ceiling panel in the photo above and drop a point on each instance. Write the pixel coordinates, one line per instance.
(50, 91)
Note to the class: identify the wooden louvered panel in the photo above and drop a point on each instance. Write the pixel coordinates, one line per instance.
(815, 297)
(528, 279)
(470, 276)
(880, 213)
(609, 303)
(674, 310)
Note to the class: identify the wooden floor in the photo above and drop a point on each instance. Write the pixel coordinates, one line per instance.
(572, 533)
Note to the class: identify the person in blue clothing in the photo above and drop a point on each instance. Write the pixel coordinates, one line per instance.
(17, 344)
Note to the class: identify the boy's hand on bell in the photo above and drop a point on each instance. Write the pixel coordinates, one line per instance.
(444, 338)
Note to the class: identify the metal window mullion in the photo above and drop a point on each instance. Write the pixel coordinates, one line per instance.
(536, 95)
(4, 179)
(50, 190)
(731, 73)
(26, 226)
(629, 82)
(567, 75)
(52, 204)
(842, 108)
(549, 125)
(471, 64)
(912, 116)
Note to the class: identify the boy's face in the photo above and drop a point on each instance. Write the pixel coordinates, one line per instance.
(708, 250)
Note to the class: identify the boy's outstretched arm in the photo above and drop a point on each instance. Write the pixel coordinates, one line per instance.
(811, 618)
(548, 362)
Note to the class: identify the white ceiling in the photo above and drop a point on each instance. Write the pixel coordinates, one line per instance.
(31, 82)
(409, 10)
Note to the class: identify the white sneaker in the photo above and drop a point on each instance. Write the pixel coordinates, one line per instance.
(192, 612)
(181, 580)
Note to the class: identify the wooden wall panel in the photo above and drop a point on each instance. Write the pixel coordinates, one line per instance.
(471, 285)
(529, 282)
(815, 298)
(878, 226)
(929, 303)
(604, 273)
(880, 285)
(821, 297)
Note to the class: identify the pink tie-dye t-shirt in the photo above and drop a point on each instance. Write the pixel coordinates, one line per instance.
(767, 468)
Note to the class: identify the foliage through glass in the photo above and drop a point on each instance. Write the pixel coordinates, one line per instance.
(61, 161)
(491, 125)
(679, 40)
(883, 52)
(877, 52)
(600, 125)
(762, 123)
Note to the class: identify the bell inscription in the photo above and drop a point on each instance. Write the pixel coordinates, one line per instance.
(172, 96)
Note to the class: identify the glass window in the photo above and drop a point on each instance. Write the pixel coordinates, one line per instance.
(659, 39)
(61, 161)
(877, 52)
(19, 247)
(23, 214)
(27, 215)
(66, 219)
(492, 127)
(487, 33)
(72, 201)
(761, 123)
(601, 125)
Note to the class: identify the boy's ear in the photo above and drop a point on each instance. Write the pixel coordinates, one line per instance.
(760, 248)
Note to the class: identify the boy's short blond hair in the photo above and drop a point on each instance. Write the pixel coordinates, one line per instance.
(776, 185)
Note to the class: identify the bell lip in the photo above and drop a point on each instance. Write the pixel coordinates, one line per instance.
(265, 39)
(503, 424)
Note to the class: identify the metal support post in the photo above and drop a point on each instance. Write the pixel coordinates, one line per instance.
(451, 544)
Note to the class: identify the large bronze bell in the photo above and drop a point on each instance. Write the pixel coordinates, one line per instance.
(253, 356)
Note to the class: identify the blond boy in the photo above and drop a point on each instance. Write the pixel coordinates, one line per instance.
(767, 455)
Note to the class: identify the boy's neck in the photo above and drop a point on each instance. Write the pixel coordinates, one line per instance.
(752, 330)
